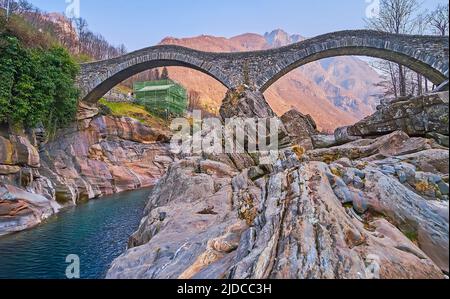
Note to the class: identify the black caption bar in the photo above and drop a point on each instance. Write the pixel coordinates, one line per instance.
(223, 288)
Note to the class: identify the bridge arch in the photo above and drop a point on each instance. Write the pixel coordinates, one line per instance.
(97, 78)
(426, 55)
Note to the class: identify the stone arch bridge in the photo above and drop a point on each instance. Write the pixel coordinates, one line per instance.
(427, 55)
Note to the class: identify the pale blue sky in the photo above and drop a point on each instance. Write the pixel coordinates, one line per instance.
(141, 23)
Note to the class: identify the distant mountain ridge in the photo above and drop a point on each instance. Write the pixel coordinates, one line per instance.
(335, 91)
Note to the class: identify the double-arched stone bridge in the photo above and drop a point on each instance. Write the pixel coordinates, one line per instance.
(427, 55)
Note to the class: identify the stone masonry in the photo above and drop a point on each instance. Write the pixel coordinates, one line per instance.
(427, 55)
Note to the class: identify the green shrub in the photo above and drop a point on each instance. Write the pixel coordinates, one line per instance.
(36, 84)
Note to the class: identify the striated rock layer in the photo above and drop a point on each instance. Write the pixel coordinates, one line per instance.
(374, 208)
(98, 155)
(425, 115)
(291, 224)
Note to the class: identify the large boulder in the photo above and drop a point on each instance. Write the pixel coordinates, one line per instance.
(246, 103)
(397, 143)
(414, 116)
(300, 127)
(6, 151)
(323, 141)
(21, 210)
(342, 135)
(17, 150)
(24, 152)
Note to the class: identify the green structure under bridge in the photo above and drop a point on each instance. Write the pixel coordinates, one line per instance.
(164, 98)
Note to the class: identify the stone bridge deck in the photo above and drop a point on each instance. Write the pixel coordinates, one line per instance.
(427, 55)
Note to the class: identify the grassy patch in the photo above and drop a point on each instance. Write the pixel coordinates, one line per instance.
(423, 186)
(135, 111)
(247, 210)
(413, 236)
(330, 158)
(337, 172)
(348, 205)
(299, 151)
(123, 109)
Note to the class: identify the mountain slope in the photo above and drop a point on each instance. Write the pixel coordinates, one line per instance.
(335, 91)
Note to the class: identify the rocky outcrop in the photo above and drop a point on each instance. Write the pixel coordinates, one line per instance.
(246, 103)
(373, 208)
(287, 224)
(427, 114)
(111, 155)
(397, 143)
(400, 179)
(301, 128)
(21, 210)
(17, 150)
(96, 156)
(323, 141)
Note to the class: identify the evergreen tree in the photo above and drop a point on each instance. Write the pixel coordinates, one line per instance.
(36, 85)
(165, 74)
(157, 76)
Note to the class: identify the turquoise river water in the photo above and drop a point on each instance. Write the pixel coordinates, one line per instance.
(97, 232)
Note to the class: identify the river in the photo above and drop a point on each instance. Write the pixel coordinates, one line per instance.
(96, 231)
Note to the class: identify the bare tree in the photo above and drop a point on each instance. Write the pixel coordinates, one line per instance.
(24, 6)
(194, 100)
(81, 26)
(396, 16)
(73, 34)
(122, 50)
(421, 26)
(16, 7)
(438, 20)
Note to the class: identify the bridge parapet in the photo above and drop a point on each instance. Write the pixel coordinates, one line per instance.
(427, 55)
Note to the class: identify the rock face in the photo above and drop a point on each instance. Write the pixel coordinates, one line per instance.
(300, 128)
(111, 155)
(414, 116)
(289, 224)
(17, 150)
(21, 210)
(98, 155)
(243, 102)
(374, 208)
(400, 178)
(397, 143)
(246, 103)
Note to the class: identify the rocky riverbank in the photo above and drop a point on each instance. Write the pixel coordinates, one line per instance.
(374, 207)
(98, 155)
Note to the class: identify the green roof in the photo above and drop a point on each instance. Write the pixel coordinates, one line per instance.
(155, 88)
